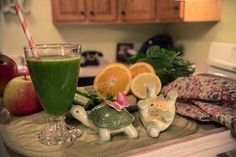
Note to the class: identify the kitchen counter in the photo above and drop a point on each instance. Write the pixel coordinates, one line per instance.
(93, 70)
(205, 143)
(209, 144)
(202, 143)
(90, 71)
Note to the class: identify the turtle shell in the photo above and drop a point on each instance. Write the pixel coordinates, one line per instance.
(104, 116)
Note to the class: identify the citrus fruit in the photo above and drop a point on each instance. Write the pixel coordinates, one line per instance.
(140, 82)
(112, 79)
(141, 67)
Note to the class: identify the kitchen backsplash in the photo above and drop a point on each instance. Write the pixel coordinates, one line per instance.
(195, 37)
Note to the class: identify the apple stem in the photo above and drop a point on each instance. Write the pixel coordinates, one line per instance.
(25, 77)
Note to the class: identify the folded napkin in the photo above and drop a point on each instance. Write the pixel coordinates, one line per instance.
(205, 88)
(206, 98)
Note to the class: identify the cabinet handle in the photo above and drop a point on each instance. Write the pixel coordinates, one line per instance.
(176, 8)
(92, 13)
(123, 13)
(82, 13)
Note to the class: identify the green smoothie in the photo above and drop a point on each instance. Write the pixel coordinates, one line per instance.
(55, 79)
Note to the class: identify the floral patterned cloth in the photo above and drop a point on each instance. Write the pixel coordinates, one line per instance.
(206, 98)
(203, 88)
(221, 114)
(190, 110)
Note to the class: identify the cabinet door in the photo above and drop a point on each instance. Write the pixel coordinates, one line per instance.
(170, 9)
(138, 10)
(68, 10)
(207, 10)
(102, 10)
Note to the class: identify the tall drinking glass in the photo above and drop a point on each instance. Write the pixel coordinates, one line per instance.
(55, 77)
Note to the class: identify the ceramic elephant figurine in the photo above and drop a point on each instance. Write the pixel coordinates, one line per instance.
(157, 112)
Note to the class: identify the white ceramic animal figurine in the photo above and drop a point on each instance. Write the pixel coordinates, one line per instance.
(157, 112)
(105, 120)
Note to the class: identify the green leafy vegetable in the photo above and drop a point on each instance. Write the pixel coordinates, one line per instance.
(110, 97)
(167, 63)
(91, 95)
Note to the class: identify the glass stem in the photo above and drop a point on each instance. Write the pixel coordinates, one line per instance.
(57, 132)
(57, 124)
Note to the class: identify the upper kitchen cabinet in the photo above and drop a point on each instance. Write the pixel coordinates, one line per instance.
(137, 10)
(102, 10)
(68, 10)
(189, 10)
(170, 10)
(74, 11)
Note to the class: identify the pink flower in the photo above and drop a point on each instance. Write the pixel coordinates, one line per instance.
(121, 99)
(120, 102)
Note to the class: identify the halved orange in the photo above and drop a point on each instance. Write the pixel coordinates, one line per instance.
(140, 83)
(141, 67)
(112, 79)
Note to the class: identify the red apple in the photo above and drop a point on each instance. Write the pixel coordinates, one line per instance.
(23, 71)
(8, 70)
(20, 97)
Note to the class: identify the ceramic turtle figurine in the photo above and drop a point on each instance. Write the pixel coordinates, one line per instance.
(157, 112)
(105, 120)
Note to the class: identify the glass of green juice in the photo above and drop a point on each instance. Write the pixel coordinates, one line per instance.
(55, 77)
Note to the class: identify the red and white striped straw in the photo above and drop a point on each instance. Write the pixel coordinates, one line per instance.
(26, 29)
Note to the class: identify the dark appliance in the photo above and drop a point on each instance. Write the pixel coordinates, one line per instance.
(90, 58)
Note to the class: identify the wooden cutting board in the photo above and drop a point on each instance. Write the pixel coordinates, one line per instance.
(20, 135)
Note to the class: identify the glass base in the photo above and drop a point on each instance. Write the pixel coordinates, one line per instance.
(58, 134)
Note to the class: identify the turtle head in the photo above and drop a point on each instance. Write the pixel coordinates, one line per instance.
(79, 113)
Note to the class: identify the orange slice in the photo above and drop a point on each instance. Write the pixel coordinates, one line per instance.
(140, 82)
(141, 67)
(112, 79)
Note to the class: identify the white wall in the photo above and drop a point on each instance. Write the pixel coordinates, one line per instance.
(102, 37)
(196, 37)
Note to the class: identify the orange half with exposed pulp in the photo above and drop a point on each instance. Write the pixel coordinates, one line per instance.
(112, 79)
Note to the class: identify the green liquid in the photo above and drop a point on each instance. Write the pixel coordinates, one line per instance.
(55, 80)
